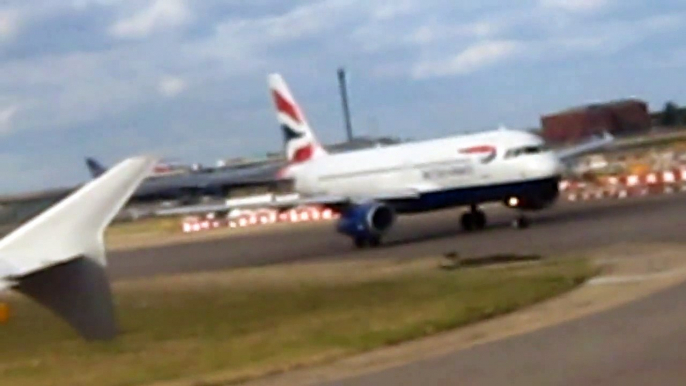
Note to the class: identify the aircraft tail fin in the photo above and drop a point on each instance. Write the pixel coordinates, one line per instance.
(300, 142)
(58, 258)
(94, 167)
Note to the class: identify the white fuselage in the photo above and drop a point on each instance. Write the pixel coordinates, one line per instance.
(429, 166)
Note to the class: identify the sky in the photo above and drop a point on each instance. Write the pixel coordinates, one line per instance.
(186, 79)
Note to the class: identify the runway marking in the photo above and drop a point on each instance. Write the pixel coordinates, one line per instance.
(605, 280)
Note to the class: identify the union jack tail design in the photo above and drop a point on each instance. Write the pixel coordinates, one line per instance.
(299, 141)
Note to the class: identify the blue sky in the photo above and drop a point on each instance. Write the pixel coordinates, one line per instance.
(185, 79)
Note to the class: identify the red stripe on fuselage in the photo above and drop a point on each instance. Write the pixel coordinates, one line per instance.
(478, 149)
(285, 107)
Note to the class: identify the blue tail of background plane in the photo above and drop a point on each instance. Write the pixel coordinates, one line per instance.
(94, 167)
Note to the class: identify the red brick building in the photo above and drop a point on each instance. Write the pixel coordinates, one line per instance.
(619, 117)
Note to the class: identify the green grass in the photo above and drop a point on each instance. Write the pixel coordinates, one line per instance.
(164, 225)
(254, 321)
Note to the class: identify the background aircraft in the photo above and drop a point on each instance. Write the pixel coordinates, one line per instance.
(191, 187)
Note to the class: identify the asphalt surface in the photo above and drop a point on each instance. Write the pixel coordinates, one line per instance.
(641, 343)
(566, 227)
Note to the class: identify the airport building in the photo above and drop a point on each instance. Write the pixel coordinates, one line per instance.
(623, 117)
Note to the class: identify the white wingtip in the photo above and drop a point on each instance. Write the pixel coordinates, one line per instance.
(58, 257)
(74, 226)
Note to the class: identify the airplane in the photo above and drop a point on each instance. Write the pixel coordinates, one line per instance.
(189, 188)
(371, 187)
(58, 258)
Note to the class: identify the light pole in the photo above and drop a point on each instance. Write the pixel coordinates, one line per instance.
(344, 99)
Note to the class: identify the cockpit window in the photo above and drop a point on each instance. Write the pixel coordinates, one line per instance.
(524, 150)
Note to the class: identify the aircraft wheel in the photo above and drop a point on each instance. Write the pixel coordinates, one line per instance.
(479, 219)
(473, 220)
(374, 241)
(521, 222)
(467, 221)
(360, 242)
(364, 242)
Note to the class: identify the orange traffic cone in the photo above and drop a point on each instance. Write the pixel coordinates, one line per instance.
(4, 313)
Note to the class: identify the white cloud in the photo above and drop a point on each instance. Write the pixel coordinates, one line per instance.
(7, 115)
(9, 24)
(171, 86)
(159, 15)
(576, 5)
(230, 45)
(427, 34)
(473, 58)
(305, 20)
(390, 9)
(319, 20)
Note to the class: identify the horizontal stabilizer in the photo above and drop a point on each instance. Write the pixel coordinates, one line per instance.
(58, 258)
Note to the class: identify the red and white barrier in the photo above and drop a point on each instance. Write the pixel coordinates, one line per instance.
(260, 218)
(633, 185)
(620, 187)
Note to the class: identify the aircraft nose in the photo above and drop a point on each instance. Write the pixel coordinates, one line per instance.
(546, 165)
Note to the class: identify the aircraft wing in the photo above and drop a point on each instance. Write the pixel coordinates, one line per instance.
(586, 147)
(4, 285)
(280, 203)
(6, 272)
(58, 257)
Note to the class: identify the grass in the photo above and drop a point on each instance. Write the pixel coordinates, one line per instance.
(150, 231)
(251, 322)
(165, 231)
(165, 225)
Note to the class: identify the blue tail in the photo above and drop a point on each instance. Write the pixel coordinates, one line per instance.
(94, 167)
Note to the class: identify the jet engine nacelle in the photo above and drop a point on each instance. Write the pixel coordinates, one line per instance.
(363, 221)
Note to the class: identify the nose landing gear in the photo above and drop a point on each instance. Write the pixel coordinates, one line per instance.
(521, 222)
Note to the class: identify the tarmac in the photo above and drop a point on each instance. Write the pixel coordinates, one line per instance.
(563, 229)
(641, 343)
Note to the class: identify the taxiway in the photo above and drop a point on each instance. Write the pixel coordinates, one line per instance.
(570, 226)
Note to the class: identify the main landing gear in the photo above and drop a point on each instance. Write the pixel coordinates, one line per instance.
(369, 241)
(521, 222)
(473, 220)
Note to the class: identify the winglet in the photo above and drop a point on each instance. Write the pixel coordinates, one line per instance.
(58, 258)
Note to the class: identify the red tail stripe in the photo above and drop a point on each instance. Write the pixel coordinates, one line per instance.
(303, 154)
(285, 107)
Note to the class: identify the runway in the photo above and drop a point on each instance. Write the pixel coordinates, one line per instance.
(566, 227)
